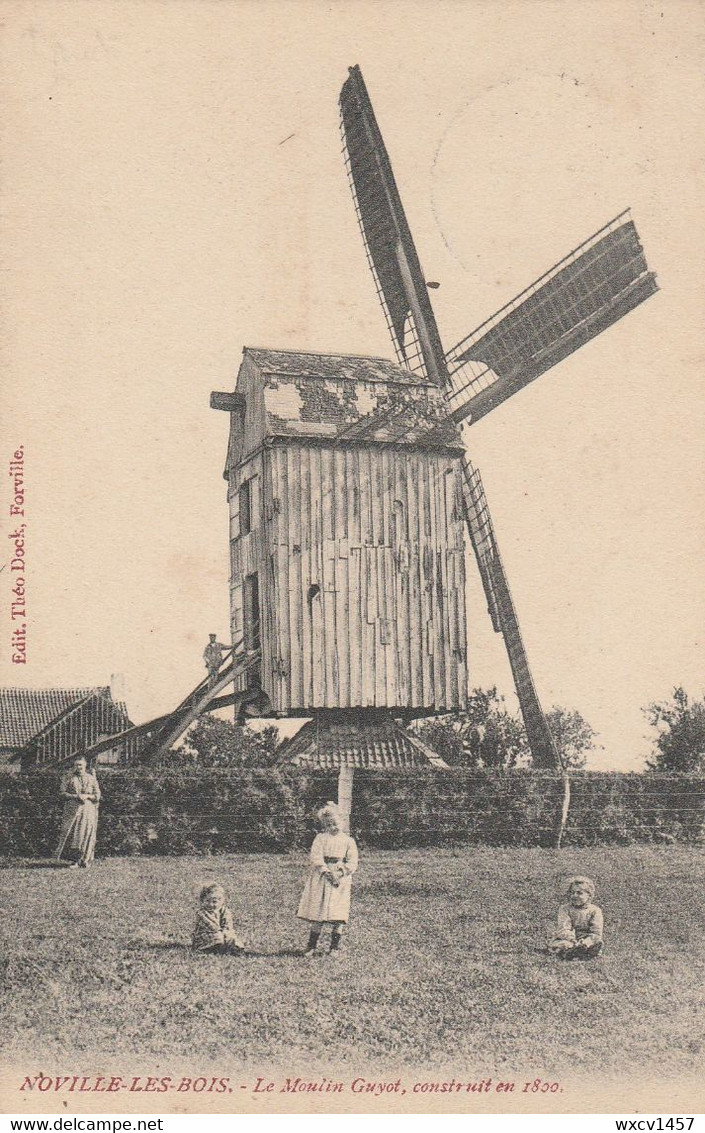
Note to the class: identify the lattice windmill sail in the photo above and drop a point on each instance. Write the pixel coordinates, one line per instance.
(593, 287)
(588, 291)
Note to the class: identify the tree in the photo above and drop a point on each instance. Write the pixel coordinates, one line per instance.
(572, 736)
(218, 743)
(680, 743)
(487, 734)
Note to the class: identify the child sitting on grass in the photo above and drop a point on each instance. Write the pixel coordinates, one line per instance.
(326, 895)
(579, 929)
(214, 931)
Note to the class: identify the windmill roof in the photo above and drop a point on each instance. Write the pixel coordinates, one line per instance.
(378, 746)
(328, 395)
(345, 367)
(25, 712)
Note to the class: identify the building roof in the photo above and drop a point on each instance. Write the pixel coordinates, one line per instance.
(24, 712)
(350, 397)
(378, 745)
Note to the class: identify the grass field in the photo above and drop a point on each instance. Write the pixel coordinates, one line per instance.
(443, 964)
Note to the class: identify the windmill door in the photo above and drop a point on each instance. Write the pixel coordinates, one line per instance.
(251, 624)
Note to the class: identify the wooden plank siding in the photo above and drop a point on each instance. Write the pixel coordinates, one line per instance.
(359, 552)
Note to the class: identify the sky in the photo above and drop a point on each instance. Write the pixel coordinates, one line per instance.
(173, 190)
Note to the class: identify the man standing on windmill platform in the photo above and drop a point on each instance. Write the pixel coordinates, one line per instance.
(213, 657)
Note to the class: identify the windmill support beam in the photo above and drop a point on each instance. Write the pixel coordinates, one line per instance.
(163, 731)
(197, 704)
(346, 776)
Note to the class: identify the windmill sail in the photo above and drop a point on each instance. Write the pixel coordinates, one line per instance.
(402, 292)
(504, 618)
(581, 296)
(390, 249)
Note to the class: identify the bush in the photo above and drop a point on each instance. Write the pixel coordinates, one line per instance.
(172, 810)
(216, 743)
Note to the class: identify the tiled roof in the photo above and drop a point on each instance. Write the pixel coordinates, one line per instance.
(24, 712)
(350, 397)
(380, 745)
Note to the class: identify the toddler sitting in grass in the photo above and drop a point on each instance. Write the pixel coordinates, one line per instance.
(578, 933)
(214, 931)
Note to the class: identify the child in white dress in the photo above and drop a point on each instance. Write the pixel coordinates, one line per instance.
(578, 933)
(326, 895)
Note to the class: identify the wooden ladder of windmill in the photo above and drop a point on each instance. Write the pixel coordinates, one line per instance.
(154, 738)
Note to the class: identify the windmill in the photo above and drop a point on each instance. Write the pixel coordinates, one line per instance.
(351, 493)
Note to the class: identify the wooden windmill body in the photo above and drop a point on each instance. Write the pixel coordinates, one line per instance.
(350, 491)
(347, 557)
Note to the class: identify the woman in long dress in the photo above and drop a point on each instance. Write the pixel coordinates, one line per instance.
(326, 895)
(79, 823)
